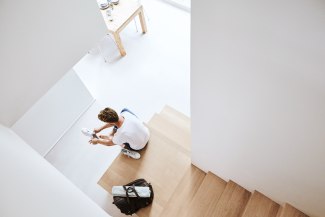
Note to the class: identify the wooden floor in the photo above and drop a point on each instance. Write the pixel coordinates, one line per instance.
(181, 189)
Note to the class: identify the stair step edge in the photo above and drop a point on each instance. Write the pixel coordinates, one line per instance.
(254, 205)
(175, 113)
(218, 208)
(184, 193)
(201, 200)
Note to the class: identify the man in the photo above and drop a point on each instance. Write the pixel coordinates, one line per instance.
(128, 132)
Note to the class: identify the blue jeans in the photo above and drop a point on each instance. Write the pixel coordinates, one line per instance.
(128, 110)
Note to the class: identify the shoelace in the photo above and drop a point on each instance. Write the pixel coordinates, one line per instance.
(128, 152)
(131, 153)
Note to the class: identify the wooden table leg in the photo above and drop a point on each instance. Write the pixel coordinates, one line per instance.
(119, 43)
(142, 21)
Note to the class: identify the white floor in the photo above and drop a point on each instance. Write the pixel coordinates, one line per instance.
(155, 72)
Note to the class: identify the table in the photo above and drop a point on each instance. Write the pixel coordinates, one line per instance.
(122, 15)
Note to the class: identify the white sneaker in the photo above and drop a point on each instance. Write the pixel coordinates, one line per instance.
(89, 133)
(130, 153)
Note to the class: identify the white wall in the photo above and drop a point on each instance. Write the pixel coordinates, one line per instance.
(258, 96)
(54, 113)
(40, 41)
(31, 187)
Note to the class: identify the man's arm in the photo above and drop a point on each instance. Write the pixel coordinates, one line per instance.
(97, 130)
(113, 131)
(106, 141)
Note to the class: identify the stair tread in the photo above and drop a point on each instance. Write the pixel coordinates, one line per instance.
(231, 203)
(185, 191)
(260, 206)
(175, 114)
(210, 189)
(164, 175)
(290, 211)
(178, 133)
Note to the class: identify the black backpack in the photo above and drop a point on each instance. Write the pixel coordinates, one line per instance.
(129, 205)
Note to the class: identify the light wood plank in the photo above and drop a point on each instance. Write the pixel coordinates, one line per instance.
(119, 44)
(210, 189)
(290, 211)
(180, 134)
(173, 113)
(142, 21)
(162, 163)
(185, 191)
(260, 206)
(231, 203)
(279, 211)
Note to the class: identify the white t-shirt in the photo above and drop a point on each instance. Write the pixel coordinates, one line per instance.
(132, 131)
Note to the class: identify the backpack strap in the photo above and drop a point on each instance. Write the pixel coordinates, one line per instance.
(127, 195)
(132, 189)
(129, 190)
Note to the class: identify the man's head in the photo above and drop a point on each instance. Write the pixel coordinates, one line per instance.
(108, 115)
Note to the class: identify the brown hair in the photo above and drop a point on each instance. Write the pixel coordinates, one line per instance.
(108, 115)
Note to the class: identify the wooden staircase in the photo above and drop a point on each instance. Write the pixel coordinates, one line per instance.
(181, 189)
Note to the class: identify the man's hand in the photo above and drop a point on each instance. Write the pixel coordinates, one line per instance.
(97, 130)
(94, 141)
(104, 140)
